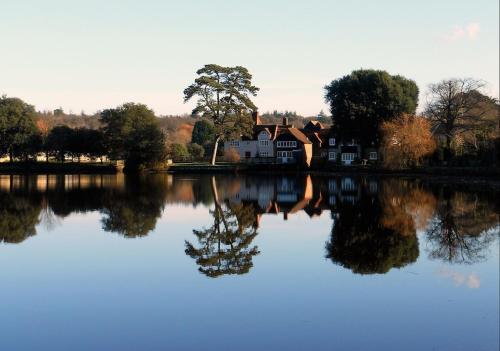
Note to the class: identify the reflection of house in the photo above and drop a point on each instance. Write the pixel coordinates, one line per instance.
(292, 194)
(285, 195)
(343, 190)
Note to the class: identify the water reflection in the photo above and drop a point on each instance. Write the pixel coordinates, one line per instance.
(224, 247)
(19, 217)
(373, 233)
(464, 227)
(375, 222)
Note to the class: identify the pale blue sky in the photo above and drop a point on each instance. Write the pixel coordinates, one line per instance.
(89, 55)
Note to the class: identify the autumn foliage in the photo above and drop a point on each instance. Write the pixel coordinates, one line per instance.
(406, 141)
(232, 155)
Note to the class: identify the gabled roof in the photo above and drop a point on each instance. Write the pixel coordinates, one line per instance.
(314, 126)
(320, 136)
(272, 129)
(298, 135)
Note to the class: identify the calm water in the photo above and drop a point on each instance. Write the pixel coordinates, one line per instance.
(247, 263)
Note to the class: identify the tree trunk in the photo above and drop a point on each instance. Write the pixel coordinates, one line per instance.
(447, 154)
(215, 193)
(214, 151)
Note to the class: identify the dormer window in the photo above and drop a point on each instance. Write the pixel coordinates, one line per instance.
(331, 142)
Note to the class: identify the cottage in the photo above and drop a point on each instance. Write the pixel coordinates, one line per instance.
(318, 135)
(348, 152)
(260, 145)
(274, 144)
(285, 144)
(293, 146)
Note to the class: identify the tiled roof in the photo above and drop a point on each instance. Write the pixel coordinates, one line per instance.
(299, 135)
(272, 129)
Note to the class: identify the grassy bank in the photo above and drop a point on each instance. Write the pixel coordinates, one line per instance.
(484, 172)
(54, 167)
(207, 168)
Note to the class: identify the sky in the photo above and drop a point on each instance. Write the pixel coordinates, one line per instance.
(90, 55)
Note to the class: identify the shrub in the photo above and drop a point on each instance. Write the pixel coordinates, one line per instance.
(232, 155)
(178, 152)
(406, 141)
(196, 151)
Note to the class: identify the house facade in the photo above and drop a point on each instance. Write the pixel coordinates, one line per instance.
(348, 152)
(293, 146)
(259, 146)
(285, 144)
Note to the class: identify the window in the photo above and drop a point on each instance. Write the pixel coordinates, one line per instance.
(372, 155)
(264, 154)
(348, 185)
(287, 144)
(348, 157)
(235, 143)
(284, 154)
(331, 142)
(332, 156)
(264, 142)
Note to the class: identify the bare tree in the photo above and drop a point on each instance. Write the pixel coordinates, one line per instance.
(454, 106)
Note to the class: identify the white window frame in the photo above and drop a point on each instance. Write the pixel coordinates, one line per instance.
(372, 155)
(348, 156)
(234, 143)
(283, 154)
(264, 142)
(286, 143)
(331, 141)
(332, 155)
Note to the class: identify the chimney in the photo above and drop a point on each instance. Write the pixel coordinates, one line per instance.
(285, 121)
(256, 118)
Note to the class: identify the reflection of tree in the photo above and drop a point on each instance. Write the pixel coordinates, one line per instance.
(19, 216)
(134, 211)
(406, 206)
(363, 242)
(201, 191)
(462, 229)
(225, 246)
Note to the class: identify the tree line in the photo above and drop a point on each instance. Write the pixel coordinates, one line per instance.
(129, 132)
(459, 124)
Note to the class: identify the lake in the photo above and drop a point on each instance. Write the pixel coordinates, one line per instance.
(200, 262)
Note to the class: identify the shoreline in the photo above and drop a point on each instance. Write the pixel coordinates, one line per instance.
(486, 173)
(467, 172)
(56, 168)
